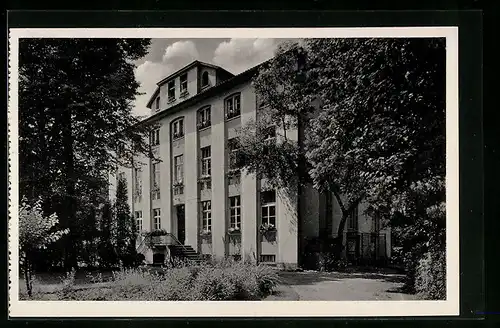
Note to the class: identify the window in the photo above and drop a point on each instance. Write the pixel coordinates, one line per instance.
(179, 168)
(232, 106)
(205, 80)
(138, 220)
(206, 216)
(233, 146)
(206, 161)
(184, 84)
(155, 192)
(178, 128)
(156, 219)
(171, 90)
(268, 258)
(234, 212)
(137, 184)
(154, 137)
(204, 117)
(353, 220)
(268, 205)
(157, 103)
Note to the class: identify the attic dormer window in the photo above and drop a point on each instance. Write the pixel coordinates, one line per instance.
(171, 90)
(157, 106)
(184, 84)
(204, 80)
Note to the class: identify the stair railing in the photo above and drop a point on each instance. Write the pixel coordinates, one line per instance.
(177, 241)
(140, 244)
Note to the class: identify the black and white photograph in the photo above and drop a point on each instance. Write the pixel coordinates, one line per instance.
(238, 168)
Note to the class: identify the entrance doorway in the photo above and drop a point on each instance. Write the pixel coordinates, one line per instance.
(181, 224)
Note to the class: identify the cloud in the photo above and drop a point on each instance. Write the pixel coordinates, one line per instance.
(238, 55)
(180, 50)
(175, 56)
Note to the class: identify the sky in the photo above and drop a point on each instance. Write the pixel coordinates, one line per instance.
(169, 55)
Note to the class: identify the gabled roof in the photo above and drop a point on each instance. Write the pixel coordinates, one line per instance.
(180, 71)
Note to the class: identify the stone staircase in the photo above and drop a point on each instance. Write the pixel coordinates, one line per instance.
(185, 252)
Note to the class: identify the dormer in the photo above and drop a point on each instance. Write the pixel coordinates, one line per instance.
(187, 82)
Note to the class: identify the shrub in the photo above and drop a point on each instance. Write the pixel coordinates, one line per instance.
(134, 284)
(218, 280)
(213, 284)
(68, 284)
(430, 282)
(267, 278)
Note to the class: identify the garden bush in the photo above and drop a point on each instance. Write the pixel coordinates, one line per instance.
(214, 281)
(430, 281)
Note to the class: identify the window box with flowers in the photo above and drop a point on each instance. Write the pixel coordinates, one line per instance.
(203, 124)
(177, 135)
(206, 236)
(178, 188)
(268, 232)
(234, 231)
(158, 237)
(205, 183)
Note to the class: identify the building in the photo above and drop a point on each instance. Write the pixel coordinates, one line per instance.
(195, 197)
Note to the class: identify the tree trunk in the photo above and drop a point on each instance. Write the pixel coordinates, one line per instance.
(69, 208)
(27, 277)
(339, 243)
(346, 211)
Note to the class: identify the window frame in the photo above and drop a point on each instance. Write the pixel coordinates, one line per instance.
(156, 219)
(231, 112)
(265, 219)
(177, 128)
(203, 75)
(206, 215)
(171, 90)
(206, 162)
(155, 180)
(179, 167)
(204, 117)
(157, 103)
(235, 220)
(232, 151)
(154, 137)
(183, 90)
(138, 221)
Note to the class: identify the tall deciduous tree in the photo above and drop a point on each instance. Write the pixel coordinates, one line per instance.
(372, 127)
(75, 108)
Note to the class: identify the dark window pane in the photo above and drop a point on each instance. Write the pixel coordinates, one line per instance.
(272, 211)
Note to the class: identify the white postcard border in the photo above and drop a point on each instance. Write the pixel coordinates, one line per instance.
(247, 308)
